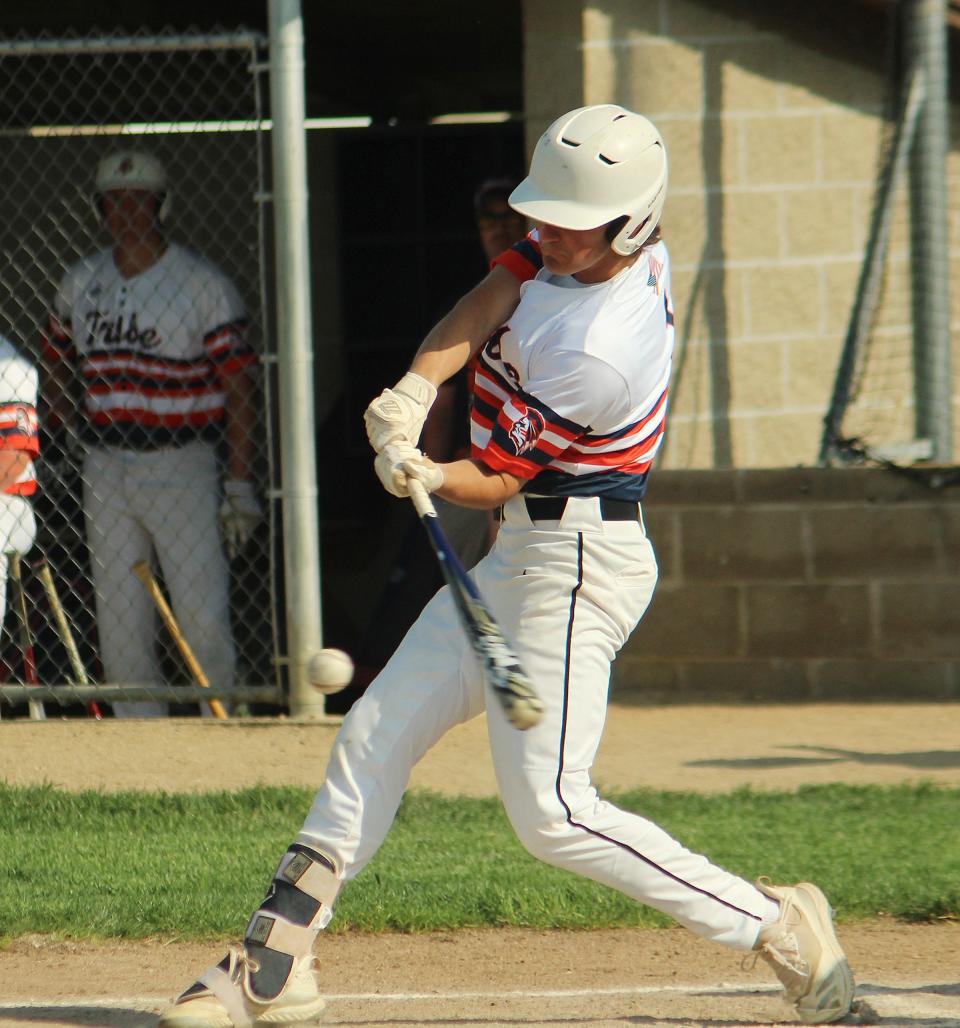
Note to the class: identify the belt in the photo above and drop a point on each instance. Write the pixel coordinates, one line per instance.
(551, 508)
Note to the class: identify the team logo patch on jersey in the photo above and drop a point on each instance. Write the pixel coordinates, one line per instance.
(526, 430)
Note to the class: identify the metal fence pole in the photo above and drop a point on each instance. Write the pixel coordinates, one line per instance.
(926, 35)
(295, 353)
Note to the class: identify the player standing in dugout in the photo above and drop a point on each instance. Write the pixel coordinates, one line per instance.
(156, 335)
(574, 330)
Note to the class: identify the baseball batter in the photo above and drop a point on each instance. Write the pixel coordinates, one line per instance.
(574, 329)
(155, 334)
(19, 445)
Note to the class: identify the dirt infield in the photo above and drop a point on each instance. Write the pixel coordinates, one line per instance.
(909, 974)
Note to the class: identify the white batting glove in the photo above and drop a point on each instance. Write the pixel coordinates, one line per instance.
(398, 414)
(240, 513)
(398, 462)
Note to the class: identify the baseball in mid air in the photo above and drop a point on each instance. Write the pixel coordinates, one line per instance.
(329, 670)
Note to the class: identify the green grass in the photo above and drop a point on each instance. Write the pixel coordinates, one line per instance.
(132, 865)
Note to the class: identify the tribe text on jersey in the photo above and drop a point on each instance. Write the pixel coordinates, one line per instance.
(151, 349)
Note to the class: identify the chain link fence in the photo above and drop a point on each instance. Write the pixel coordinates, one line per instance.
(892, 401)
(151, 349)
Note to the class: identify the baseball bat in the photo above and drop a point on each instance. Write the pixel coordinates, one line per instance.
(42, 569)
(502, 669)
(37, 711)
(142, 570)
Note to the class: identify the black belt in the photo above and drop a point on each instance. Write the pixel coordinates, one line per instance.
(551, 508)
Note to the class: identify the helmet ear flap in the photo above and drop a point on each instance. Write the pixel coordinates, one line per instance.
(633, 235)
(164, 206)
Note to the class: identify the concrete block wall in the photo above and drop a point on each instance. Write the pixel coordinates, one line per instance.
(798, 584)
(774, 132)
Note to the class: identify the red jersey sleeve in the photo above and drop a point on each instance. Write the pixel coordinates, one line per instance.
(523, 260)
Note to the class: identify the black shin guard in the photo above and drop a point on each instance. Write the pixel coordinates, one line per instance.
(283, 929)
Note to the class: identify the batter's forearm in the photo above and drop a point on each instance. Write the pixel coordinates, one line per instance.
(468, 483)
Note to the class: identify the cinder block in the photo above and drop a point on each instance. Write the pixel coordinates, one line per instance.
(949, 508)
(661, 528)
(919, 620)
(709, 303)
(645, 682)
(751, 222)
(881, 680)
(781, 439)
(810, 369)
(665, 75)
(781, 150)
(689, 621)
(622, 19)
(757, 377)
(839, 291)
(741, 544)
(868, 542)
(691, 488)
(689, 444)
(702, 20)
(820, 222)
(808, 620)
(690, 387)
(851, 145)
(828, 485)
(702, 152)
(783, 298)
(817, 79)
(747, 681)
(747, 72)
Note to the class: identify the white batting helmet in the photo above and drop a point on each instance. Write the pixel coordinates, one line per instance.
(594, 165)
(133, 169)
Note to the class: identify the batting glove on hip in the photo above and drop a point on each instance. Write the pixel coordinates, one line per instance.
(398, 414)
(398, 462)
(240, 513)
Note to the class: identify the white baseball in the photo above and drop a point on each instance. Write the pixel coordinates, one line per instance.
(329, 670)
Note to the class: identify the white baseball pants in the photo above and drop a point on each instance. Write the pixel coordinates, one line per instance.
(567, 595)
(18, 530)
(164, 502)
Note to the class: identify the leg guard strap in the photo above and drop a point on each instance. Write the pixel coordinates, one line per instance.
(284, 928)
(225, 984)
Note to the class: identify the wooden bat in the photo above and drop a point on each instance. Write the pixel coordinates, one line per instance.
(142, 570)
(501, 668)
(42, 569)
(37, 711)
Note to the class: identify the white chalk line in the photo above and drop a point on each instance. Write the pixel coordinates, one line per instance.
(720, 989)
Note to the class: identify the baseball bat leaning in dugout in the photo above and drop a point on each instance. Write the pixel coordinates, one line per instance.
(142, 570)
(37, 711)
(42, 569)
(501, 668)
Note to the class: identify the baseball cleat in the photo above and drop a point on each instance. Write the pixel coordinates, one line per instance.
(805, 954)
(223, 997)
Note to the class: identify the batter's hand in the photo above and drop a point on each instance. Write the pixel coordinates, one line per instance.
(398, 462)
(398, 414)
(240, 513)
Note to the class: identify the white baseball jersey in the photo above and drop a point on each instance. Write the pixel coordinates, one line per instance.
(150, 349)
(572, 392)
(18, 413)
